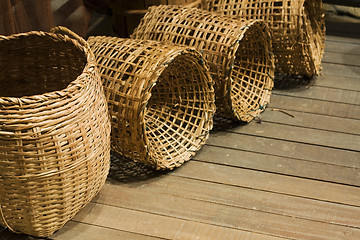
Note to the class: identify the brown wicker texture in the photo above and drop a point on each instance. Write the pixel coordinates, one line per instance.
(238, 53)
(54, 131)
(160, 97)
(298, 28)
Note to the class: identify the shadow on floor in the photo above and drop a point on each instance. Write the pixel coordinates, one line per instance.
(293, 82)
(5, 234)
(125, 170)
(223, 124)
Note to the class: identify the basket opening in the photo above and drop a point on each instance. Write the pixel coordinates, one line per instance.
(177, 112)
(250, 72)
(33, 65)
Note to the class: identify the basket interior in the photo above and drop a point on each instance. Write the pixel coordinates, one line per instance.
(33, 65)
(251, 83)
(177, 111)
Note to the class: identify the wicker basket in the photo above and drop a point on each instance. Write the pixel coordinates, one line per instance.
(160, 97)
(238, 53)
(54, 131)
(298, 28)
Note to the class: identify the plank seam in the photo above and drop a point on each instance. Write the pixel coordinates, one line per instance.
(313, 128)
(336, 88)
(280, 156)
(275, 173)
(315, 113)
(226, 205)
(331, 101)
(347, 53)
(321, 86)
(338, 41)
(294, 141)
(258, 189)
(193, 220)
(119, 230)
(343, 64)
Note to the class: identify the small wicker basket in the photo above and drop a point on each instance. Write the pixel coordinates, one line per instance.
(298, 28)
(238, 53)
(160, 96)
(54, 131)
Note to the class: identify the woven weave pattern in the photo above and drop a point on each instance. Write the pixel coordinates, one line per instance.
(238, 53)
(298, 29)
(160, 97)
(54, 131)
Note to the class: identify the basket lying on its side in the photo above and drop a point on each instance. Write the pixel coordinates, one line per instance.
(54, 131)
(238, 53)
(298, 28)
(160, 97)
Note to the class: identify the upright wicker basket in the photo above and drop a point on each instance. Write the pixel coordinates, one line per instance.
(298, 28)
(54, 131)
(238, 53)
(161, 99)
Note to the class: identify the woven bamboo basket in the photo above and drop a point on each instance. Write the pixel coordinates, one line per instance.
(54, 131)
(237, 52)
(160, 96)
(297, 26)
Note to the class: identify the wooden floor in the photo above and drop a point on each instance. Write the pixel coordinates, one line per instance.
(279, 178)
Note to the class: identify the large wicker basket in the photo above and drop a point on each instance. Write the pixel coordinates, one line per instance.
(160, 97)
(238, 53)
(54, 131)
(298, 28)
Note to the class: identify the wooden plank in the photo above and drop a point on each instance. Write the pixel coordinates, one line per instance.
(303, 135)
(342, 39)
(251, 199)
(343, 58)
(339, 82)
(340, 70)
(283, 148)
(220, 215)
(270, 182)
(336, 46)
(279, 165)
(326, 94)
(311, 120)
(80, 231)
(316, 106)
(159, 225)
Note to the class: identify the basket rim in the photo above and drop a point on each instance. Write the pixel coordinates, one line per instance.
(73, 86)
(269, 85)
(160, 68)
